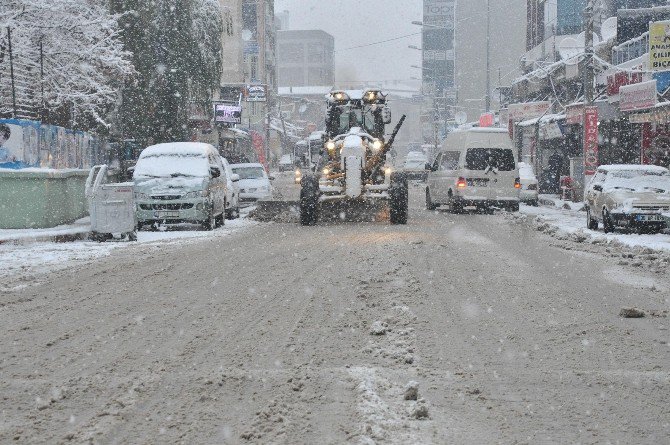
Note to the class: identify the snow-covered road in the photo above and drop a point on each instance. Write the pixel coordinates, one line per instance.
(285, 334)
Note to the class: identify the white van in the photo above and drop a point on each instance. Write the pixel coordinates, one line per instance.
(475, 168)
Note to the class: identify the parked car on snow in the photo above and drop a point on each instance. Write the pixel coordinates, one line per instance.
(232, 191)
(286, 163)
(628, 196)
(528, 192)
(254, 182)
(415, 165)
(475, 168)
(180, 182)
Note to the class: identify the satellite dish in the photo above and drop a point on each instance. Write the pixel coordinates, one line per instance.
(247, 35)
(569, 48)
(461, 117)
(608, 30)
(302, 108)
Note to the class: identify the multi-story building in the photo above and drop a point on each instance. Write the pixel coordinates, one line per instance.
(305, 58)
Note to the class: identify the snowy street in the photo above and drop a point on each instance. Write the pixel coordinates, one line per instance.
(277, 333)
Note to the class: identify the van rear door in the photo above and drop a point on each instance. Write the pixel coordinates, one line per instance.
(491, 172)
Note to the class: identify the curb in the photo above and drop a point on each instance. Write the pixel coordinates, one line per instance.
(55, 238)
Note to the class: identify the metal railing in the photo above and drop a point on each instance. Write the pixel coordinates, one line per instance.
(631, 49)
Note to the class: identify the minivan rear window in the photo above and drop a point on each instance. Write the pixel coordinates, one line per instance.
(484, 158)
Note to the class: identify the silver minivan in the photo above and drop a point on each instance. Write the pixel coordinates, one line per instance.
(180, 182)
(475, 168)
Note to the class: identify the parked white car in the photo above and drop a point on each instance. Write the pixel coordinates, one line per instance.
(475, 168)
(628, 196)
(232, 191)
(528, 192)
(254, 182)
(180, 182)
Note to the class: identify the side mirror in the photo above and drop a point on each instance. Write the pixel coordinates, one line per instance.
(131, 169)
(429, 166)
(386, 115)
(214, 172)
(234, 177)
(598, 188)
(271, 178)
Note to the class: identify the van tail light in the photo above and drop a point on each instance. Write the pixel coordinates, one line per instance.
(517, 183)
(461, 183)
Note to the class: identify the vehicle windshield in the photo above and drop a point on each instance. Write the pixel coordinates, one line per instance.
(172, 165)
(415, 163)
(631, 174)
(490, 158)
(356, 118)
(249, 172)
(638, 180)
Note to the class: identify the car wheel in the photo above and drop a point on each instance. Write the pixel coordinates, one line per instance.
(513, 207)
(221, 219)
(399, 198)
(429, 202)
(591, 224)
(210, 223)
(309, 200)
(608, 225)
(454, 205)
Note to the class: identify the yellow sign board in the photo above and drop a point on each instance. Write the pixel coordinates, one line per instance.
(659, 46)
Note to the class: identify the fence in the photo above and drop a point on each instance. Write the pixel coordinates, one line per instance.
(632, 49)
(27, 143)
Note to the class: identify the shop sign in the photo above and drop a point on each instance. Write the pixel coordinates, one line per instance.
(574, 114)
(659, 46)
(227, 113)
(590, 140)
(551, 130)
(255, 93)
(620, 79)
(639, 118)
(639, 96)
(486, 120)
(528, 110)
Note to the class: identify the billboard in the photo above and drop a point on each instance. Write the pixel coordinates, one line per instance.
(227, 113)
(659, 46)
(438, 46)
(255, 93)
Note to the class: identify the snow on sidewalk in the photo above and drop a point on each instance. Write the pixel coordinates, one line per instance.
(571, 221)
(22, 264)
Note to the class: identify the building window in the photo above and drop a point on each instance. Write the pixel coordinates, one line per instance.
(228, 24)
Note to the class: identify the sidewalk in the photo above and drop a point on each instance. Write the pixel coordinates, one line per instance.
(65, 233)
(567, 219)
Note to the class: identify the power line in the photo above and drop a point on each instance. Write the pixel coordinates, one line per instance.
(380, 42)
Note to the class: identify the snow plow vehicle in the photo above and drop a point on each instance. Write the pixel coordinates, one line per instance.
(351, 166)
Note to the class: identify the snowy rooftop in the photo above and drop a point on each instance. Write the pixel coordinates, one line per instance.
(544, 119)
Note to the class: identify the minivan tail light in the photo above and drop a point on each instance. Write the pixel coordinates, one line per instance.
(461, 183)
(517, 183)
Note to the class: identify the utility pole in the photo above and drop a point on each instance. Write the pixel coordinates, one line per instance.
(488, 54)
(11, 70)
(589, 53)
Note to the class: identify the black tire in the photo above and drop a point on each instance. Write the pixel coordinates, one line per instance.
(430, 205)
(513, 207)
(210, 224)
(399, 198)
(309, 200)
(455, 206)
(591, 224)
(138, 227)
(608, 225)
(132, 236)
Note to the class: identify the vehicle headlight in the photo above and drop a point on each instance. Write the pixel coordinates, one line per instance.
(330, 145)
(196, 194)
(326, 171)
(139, 195)
(377, 144)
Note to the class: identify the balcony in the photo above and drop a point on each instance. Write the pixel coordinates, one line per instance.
(631, 49)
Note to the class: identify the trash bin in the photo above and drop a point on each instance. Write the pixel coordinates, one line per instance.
(111, 206)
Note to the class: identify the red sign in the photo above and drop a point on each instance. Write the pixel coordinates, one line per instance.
(486, 120)
(638, 96)
(620, 79)
(590, 140)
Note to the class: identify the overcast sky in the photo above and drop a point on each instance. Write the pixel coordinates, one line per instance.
(360, 22)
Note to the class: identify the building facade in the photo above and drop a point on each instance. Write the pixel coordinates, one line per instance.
(305, 58)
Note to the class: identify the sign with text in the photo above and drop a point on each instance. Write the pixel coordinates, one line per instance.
(659, 46)
(255, 93)
(227, 114)
(639, 96)
(590, 140)
(527, 110)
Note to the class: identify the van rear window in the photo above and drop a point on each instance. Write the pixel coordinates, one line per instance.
(484, 158)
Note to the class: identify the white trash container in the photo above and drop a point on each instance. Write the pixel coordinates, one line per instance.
(111, 206)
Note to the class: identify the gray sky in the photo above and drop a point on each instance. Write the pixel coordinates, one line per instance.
(359, 22)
